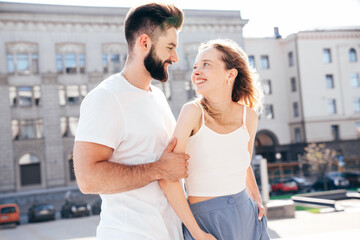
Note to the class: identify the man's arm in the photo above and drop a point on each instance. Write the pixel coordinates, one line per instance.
(96, 175)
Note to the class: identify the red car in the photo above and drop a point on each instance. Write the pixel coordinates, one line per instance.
(284, 186)
(9, 213)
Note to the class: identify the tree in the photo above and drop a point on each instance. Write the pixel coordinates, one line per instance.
(320, 159)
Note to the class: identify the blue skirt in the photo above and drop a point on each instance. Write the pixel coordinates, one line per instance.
(231, 217)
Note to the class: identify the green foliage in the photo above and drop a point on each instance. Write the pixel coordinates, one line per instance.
(309, 209)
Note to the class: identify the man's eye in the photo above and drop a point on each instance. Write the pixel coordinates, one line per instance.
(206, 64)
(170, 49)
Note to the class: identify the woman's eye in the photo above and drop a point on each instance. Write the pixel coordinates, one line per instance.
(206, 64)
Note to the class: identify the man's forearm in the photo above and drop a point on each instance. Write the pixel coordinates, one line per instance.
(107, 177)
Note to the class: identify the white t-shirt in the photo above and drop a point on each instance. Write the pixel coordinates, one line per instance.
(138, 125)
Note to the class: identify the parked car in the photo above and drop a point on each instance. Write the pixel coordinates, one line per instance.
(41, 212)
(334, 180)
(303, 184)
(9, 214)
(96, 207)
(284, 186)
(353, 178)
(75, 209)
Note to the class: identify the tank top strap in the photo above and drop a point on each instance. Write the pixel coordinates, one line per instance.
(202, 113)
(244, 115)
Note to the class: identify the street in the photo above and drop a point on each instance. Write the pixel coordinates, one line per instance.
(305, 225)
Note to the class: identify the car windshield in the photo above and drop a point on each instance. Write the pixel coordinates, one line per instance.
(334, 174)
(8, 210)
(43, 206)
(299, 179)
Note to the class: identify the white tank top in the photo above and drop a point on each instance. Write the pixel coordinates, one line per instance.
(218, 162)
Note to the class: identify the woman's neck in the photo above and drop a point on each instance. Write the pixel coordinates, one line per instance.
(222, 107)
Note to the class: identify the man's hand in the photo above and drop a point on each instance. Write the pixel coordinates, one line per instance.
(172, 166)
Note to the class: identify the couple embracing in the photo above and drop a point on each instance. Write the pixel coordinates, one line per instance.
(129, 149)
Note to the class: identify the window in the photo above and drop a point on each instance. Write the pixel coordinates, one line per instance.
(357, 128)
(268, 112)
(105, 63)
(326, 55)
(70, 58)
(357, 105)
(68, 126)
(352, 55)
(27, 129)
(297, 135)
(335, 132)
(22, 58)
(72, 94)
(25, 96)
(113, 57)
(10, 63)
(296, 109)
(354, 80)
(293, 84)
(266, 84)
(265, 62)
(30, 172)
(329, 81)
(331, 106)
(252, 61)
(82, 63)
(70, 63)
(291, 59)
(59, 63)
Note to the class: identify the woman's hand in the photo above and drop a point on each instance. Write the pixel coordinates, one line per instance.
(261, 209)
(204, 236)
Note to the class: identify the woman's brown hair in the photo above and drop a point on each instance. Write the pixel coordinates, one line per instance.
(247, 89)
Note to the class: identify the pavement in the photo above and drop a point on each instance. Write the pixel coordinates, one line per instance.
(329, 225)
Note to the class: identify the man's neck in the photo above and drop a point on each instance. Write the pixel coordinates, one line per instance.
(137, 75)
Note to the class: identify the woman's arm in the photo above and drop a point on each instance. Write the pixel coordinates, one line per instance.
(188, 120)
(251, 185)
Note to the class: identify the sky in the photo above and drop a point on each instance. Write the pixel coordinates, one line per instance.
(290, 16)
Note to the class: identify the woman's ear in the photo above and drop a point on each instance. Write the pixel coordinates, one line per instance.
(232, 74)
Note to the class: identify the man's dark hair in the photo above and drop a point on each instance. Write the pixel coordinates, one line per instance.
(151, 19)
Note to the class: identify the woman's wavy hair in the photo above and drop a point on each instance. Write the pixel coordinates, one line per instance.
(247, 88)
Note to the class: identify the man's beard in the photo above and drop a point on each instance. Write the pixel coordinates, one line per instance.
(155, 67)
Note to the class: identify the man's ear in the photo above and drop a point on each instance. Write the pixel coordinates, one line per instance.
(145, 42)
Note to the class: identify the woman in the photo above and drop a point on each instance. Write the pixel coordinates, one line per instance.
(218, 131)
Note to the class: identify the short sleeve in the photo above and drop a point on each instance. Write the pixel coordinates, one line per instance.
(100, 119)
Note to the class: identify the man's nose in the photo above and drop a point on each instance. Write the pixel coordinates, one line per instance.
(174, 57)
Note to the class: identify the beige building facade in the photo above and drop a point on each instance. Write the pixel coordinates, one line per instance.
(312, 92)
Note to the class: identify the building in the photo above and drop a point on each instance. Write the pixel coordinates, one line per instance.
(50, 57)
(312, 94)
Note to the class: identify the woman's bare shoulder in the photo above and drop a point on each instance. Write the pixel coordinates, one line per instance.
(191, 108)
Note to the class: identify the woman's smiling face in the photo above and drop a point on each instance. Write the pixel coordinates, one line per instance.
(209, 74)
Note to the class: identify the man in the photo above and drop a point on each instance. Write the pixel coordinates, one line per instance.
(125, 125)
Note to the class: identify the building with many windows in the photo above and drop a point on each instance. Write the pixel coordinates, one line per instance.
(312, 93)
(52, 56)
